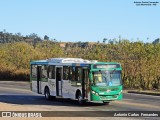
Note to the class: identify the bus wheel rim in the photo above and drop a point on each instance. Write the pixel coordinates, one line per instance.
(47, 94)
(79, 99)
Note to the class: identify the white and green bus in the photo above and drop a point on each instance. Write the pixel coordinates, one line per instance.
(76, 78)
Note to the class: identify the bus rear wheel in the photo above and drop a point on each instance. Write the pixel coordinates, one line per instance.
(80, 100)
(47, 94)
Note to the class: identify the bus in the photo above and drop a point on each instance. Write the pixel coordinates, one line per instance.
(77, 78)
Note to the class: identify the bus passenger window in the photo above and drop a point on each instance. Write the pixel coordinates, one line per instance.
(72, 73)
(34, 71)
(78, 74)
(51, 72)
(44, 71)
(65, 73)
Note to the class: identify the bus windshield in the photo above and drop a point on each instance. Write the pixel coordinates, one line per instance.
(107, 78)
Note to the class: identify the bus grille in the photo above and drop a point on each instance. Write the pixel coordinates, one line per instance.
(111, 89)
(108, 97)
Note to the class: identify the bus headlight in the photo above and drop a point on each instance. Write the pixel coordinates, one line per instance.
(95, 93)
(120, 92)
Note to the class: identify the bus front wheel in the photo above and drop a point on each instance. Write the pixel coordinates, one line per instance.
(105, 103)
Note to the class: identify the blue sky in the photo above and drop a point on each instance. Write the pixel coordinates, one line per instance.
(81, 20)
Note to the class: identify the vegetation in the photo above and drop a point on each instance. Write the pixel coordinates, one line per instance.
(140, 61)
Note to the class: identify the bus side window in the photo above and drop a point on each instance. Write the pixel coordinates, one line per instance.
(65, 73)
(51, 72)
(72, 73)
(78, 74)
(44, 71)
(33, 71)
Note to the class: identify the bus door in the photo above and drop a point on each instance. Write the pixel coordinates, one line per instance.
(39, 75)
(85, 83)
(59, 81)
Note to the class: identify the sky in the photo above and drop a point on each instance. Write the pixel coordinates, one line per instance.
(81, 20)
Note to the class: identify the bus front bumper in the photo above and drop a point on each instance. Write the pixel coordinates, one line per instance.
(95, 97)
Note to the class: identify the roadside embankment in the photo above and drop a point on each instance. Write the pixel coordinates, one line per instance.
(144, 92)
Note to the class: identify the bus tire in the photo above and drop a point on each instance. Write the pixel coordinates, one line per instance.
(80, 99)
(47, 93)
(106, 103)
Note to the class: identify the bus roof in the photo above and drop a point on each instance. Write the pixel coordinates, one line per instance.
(69, 60)
(107, 63)
(73, 61)
(37, 62)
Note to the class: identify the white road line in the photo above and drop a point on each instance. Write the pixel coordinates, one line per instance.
(19, 89)
(142, 95)
(136, 104)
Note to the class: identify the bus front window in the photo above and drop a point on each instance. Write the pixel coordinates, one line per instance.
(107, 78)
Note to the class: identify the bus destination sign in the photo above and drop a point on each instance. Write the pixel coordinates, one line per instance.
(106, 66)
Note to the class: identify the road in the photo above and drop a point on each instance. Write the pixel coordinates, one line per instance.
(16, 96)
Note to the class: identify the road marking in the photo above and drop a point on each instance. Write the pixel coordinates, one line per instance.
(19, 89)
(136, 104)
(142, 95)
(126, 101)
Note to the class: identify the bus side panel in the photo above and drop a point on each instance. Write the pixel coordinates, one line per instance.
(34, 86)
(65, 88)
(72, 91)
(69, 90)
(52, 86)
(43, 85)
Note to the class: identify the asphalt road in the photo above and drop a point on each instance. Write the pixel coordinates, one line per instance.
(18, 94)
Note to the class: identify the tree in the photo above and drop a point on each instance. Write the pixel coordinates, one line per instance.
(104, 40)
(33, 36)
(46, 37)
